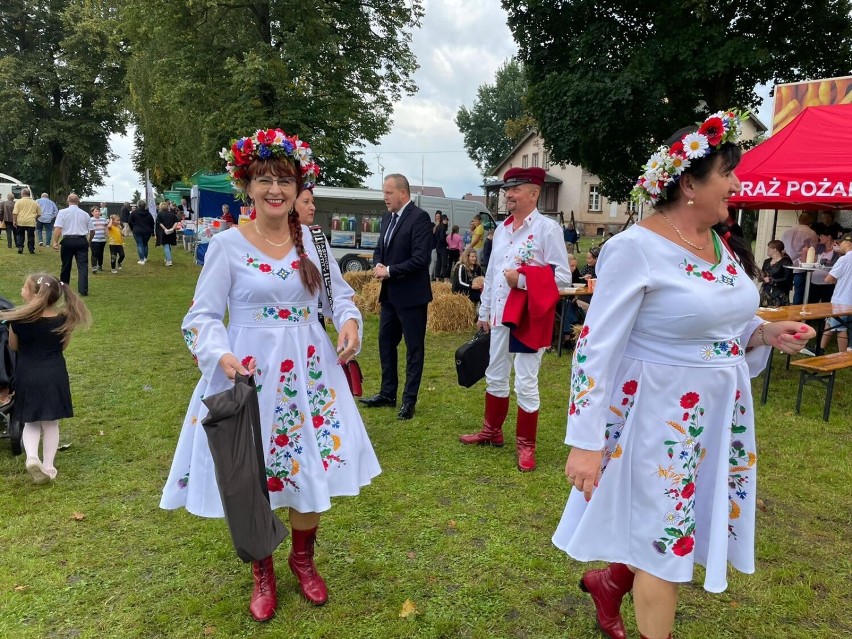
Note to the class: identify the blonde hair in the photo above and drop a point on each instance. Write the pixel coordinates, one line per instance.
(47, 291)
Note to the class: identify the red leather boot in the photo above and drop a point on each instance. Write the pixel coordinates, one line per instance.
(526, 431)
(607, 588)
(496, 409)
(301, 561)
(264, 599)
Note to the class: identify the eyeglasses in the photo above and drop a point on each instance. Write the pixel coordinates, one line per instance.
(266, 182)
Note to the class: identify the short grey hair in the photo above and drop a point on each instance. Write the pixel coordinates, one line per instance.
(400, 181)
(45, 195)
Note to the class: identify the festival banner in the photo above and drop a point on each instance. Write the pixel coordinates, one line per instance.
(791, 99)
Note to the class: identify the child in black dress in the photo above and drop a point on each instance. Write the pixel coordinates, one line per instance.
(39, 331)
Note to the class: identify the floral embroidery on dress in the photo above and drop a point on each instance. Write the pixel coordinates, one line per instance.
(581, 384)
(264, 267)
(728, 348)
(258, 373)
(288, 314)
(741, 464)
(281, 463)
(728, 277)
(190, 336)
(526, 251)
(679, 522)
(324, 416)
(183, 482)
(612, 450)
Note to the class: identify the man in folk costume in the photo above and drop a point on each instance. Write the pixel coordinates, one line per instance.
(522, 245)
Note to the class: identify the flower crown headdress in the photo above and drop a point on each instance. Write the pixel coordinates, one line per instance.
(271, 143)
(668, 163)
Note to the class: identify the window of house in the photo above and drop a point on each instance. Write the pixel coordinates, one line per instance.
(632, 207)
(544, 161)
(594, 198)
(525, 161)
(535, 159)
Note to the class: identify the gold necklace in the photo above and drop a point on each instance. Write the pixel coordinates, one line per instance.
(266, 239)
(680, 235)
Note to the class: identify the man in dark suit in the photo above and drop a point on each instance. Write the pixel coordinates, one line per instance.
(401, 264)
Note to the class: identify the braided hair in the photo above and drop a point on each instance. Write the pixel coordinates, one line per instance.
(308, 271)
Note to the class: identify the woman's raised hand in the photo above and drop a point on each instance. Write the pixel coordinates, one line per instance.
(231, 366)
(583, 470)
(789, 337)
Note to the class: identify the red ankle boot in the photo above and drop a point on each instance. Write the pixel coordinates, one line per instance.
(301, 561)
(526, 431)
(264, 599)
(607, 588)
(496, 409)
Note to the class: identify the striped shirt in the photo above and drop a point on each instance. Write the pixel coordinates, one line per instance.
(100, 229)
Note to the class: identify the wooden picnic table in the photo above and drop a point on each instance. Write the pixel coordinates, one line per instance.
(567, 296)
(798, 313)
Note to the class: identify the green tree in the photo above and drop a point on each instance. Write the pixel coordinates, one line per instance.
(61, 82)
(498, 118)
(135, 197)
(203, 72)
(610, 79)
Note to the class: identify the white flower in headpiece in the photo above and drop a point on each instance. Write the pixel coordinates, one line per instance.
(677, 164)
(655, 162)
(695, 145)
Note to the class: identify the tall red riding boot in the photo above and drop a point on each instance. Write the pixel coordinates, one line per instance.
(301, 561)
(526, 431)
(607, 588)
(496, 409)
(264, 599)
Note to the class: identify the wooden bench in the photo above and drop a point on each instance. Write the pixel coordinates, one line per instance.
(821, 370)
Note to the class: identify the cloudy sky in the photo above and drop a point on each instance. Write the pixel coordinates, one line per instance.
(459, 47)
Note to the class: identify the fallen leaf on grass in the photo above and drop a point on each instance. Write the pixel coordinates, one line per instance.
(209, 630)
(411, 554)
(77, 516)
(451, 523)
(733, 604)
(408, 609)
(20, 588)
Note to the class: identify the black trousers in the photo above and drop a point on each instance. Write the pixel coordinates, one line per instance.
(116, 255)
(98, 254)
(396, 322)
(20, 232)
(11, 234)
(75, 247)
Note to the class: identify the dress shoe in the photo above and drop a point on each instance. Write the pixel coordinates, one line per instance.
(406, 411)
(377, 401)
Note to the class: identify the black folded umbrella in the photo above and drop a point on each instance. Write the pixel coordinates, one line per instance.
(233, 435)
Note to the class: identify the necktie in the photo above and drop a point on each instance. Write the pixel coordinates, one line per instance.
(391, 227)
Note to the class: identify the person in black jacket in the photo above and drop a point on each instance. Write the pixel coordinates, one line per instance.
(401, 264)
(142, 224)
(439, 235)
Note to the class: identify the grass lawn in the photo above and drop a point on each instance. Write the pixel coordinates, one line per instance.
(458, 531)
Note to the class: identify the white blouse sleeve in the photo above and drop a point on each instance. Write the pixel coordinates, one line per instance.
(623, 275)
(344, 306)
(203, 329)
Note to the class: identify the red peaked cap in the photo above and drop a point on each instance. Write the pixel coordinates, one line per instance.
(517, 175)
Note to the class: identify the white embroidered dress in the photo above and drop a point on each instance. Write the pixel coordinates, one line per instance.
(661, 382)
(316, 444)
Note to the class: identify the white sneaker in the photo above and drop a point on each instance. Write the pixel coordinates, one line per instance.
(168, 263)
(141, 262)
(113, 271)
(36, 471)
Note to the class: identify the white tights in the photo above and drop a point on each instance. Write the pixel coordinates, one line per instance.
(32, 433)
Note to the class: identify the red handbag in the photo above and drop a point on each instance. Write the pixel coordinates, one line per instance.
(352, 370)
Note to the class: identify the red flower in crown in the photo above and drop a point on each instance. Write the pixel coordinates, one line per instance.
(689, 400)
(714, 129)
(266, 137)
(677, 148)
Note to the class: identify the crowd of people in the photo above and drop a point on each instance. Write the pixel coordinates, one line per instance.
(650, 387)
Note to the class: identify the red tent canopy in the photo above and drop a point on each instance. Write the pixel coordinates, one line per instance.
(807, 165)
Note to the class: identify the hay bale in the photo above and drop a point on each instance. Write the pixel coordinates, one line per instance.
(441, 288)
(367, 299)
(358, 279)
(451, 313)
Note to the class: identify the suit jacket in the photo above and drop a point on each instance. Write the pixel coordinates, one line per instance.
(408, 255)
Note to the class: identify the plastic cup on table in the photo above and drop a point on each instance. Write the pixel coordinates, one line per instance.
(592, 283)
